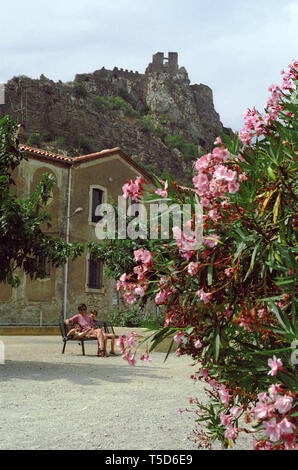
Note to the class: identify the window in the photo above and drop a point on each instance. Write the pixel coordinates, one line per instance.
(95, 273)
(97, 197)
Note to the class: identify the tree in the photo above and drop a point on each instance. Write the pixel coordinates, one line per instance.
(22, 242)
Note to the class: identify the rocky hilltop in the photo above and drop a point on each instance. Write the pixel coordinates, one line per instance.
(158, 118)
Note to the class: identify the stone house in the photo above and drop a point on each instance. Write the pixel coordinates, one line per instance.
(81, 184)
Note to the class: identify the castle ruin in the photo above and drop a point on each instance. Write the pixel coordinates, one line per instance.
(160, 63)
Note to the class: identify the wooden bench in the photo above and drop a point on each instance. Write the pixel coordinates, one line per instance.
(106, 326)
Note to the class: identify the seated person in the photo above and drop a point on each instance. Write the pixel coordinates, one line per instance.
(106, 336)
(76, 331)
(87, 327)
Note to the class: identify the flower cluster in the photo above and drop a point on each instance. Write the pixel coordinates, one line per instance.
(163, 192)
(186, 240)
(133, 189)
(215, 178)
(127, 346)
(273, 411)
(257, 124)
(135, 284)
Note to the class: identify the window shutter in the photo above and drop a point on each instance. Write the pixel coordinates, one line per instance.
(97, 199)
(95, 280)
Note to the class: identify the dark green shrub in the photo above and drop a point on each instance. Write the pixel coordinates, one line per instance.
(46, 137)
(34, 140)
(83, 144)
(79, 90)
(125, 318)
(159, 131)
(61, 142)
(102, 103)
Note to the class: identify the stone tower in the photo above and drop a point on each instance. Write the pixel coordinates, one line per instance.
(164, 64)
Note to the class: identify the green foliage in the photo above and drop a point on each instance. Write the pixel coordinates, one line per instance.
(148, 122)
(135, 317)
(34, 140)
(117, 255)
(189, 150)
(22, 242)
(79, 90)
(46, 137)
(115, 103)
(61, 142)
(128, 318)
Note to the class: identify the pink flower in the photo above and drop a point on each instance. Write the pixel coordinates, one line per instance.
(145, 357)
(180, 411)
(198, 344)
(283, 404)
(130, 341)
(178, 338)
(231, 432)
(160, 298)
(272, 430)
(213, 383)
(275, 364)
(286, 427)
(204, 296)
(120, 342)
(211, 240)
(224, 395)
(124, 277)
(193, 268)
(274, 390)
(204, 373)
(163, 192)
(144, 256)
(131, 359)
(262, 410)
(140, 291)
(214, 215)
(218, 141)
(235, 411)
(129, 298)
(233, 187)
(133, 190)
(229, 272)
(225, 419)
(263, 397)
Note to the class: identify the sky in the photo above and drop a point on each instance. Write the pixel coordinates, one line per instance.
(237, 47)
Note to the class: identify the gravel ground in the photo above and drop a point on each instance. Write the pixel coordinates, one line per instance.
(53, 401)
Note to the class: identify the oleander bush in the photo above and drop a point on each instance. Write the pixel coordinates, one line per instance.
(230, 296)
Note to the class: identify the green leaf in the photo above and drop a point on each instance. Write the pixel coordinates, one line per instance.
(217, 343)
(252, 262)
(282, 317)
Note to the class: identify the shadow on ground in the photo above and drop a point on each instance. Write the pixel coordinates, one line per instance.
(80, 374)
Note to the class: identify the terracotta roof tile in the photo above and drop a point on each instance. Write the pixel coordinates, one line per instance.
(45, 153)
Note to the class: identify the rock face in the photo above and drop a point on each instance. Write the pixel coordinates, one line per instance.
(157, 118)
